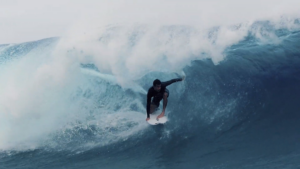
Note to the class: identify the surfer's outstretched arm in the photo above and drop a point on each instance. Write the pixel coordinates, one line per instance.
(167, 83)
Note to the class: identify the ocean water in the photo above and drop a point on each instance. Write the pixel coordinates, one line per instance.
(81, 104)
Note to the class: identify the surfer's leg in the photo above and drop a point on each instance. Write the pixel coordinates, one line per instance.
(153, 107)
(167, 93)
(165, 100)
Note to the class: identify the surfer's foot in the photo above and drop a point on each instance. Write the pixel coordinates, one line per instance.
(160, 116)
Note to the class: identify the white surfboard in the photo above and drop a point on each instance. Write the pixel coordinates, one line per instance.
(153, 118)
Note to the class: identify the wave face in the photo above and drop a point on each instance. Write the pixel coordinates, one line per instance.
(241, 111)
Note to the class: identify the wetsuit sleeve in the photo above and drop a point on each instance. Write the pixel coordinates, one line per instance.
(149, 95)
(167, 83)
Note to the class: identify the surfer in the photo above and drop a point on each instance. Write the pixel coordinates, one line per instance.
(158, 91)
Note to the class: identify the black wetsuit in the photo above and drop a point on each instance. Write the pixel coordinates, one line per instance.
(158, 96)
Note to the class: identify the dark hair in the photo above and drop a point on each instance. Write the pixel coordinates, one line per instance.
(156, 82)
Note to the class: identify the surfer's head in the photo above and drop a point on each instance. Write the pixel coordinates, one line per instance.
(157, 85)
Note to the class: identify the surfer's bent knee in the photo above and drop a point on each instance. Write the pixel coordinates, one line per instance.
(153, 107)
(166, 94)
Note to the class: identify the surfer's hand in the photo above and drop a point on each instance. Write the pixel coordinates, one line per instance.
(147, 118)
(183, 77)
